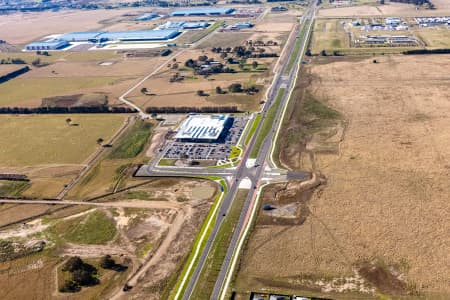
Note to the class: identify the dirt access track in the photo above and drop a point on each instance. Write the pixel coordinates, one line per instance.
(385, 202)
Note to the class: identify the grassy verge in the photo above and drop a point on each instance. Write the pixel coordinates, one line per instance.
(255, 123)
(198, 246)
(134, 141)
(267, 125)
(211, 269)
(167, 162)
(235, 152)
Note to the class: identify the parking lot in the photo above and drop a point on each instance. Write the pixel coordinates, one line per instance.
(219, 150)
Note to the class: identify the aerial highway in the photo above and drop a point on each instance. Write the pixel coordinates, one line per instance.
(220, 288)
(253, 170)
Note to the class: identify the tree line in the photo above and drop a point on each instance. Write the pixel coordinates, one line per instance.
(14, 177)
(191, 109)
(427, 51)
(67, 110)
(14, 74)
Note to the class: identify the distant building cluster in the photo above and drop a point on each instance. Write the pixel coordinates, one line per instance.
(390, 40)
(64, 40)
(202, 12)
(147, 17)
(164, 32)
(279, 8)
(183, 25)
(432, 21)
(390, 24)
(239, 26)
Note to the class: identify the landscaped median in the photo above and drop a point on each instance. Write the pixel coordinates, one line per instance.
(296, 50)
(267, 124)
(199, 243)
(255, 124)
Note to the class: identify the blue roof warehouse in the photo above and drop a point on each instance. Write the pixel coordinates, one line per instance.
(202, 12)
(103, 36)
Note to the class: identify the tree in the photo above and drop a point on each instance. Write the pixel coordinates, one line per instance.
(203, 58)
(190, 63)
(223, 55)
(107, 262)
(68, 121)
(69, 286)
(72, 264)
(36, 62)
(144, 90)
(255, 64)
(323, 53)
(219, 90)
(99, 141)
(174, 59)
(235, 88)
(84, 277)
(200, 93)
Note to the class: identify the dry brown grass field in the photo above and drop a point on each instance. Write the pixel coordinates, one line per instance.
(71, 73)
(389, 9)
(378, 224)
(162, 92)
(49, 150)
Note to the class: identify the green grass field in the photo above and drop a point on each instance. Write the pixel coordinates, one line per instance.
(48, 139)
(94, 228)
(134, 141)
(25, 89)
(12, 188)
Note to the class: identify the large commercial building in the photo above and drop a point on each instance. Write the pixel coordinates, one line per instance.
(64, 40)
(204, 128)
(202, 12)
(103, 36)
(47, 45)
(147, 17)
(183, 25)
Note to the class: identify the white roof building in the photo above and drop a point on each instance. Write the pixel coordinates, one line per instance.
(202, 127)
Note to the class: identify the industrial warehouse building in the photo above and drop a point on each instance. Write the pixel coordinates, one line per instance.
(204, 128)
(47, 45)
(202, 12)
(64, 40)
(104, 36)
(183, 25)
(147, 17)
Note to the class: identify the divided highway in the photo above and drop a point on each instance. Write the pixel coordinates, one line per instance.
(249, 169)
